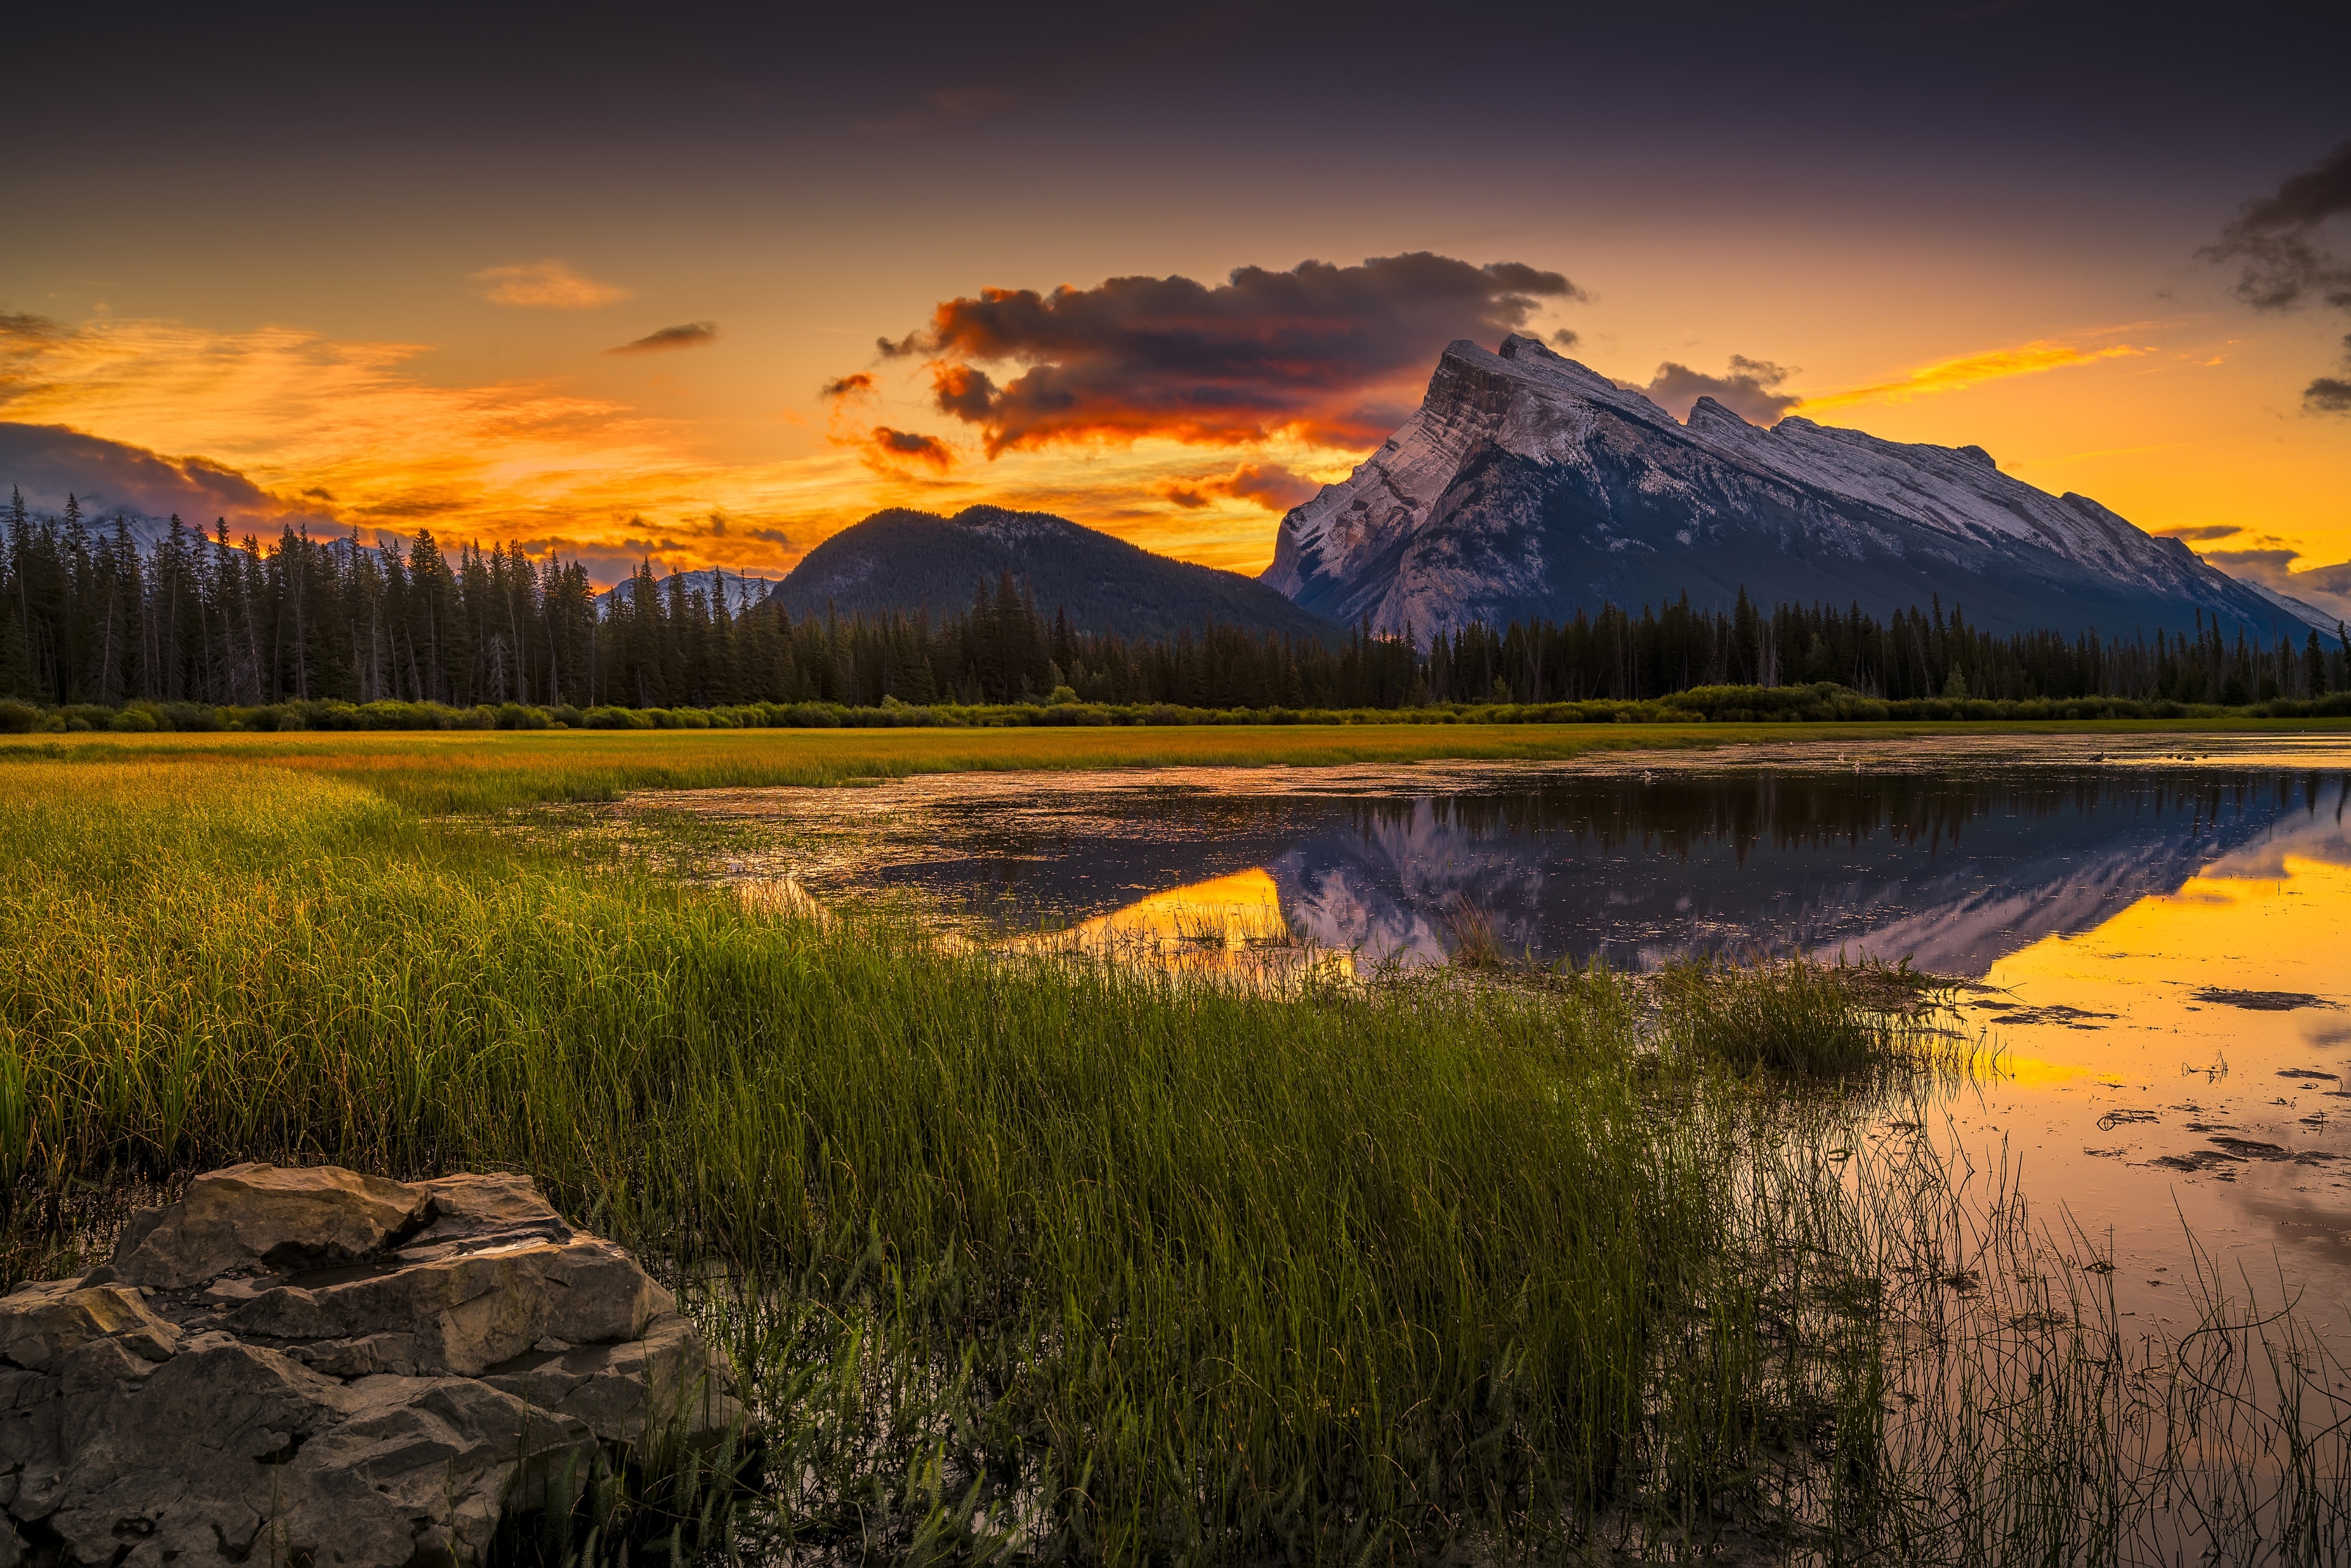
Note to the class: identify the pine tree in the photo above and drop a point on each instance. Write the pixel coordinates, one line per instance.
(17, 636)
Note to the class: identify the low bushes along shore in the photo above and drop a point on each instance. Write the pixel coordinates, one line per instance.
(1739, 705)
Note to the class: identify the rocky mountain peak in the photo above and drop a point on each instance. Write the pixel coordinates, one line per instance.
(1711, 417)
(1528, 485)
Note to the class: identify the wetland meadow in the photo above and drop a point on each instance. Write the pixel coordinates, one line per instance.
(1820, 1144)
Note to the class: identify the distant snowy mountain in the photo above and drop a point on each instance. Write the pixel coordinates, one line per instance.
(1527, 485)
(742, 589)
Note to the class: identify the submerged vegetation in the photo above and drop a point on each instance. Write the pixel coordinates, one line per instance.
(1032, 1258)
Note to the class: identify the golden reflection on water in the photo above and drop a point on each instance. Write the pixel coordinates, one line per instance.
(2146, 1105)
(2285, 928)
(1229, 924)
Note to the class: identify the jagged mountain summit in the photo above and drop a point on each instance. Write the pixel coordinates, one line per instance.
(905, 561)
(1528, 485)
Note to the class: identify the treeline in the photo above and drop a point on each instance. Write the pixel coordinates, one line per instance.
(1914, 656)
(196, 621)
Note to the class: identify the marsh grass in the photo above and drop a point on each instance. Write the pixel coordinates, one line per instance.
(1800, 1016)
(1179, 1267)
(1028, 1259)
(481, 771)
(2001, 1409)
(1476, 943)
(475, 773)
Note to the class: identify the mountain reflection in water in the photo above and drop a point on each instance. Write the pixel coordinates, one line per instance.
(2154, 937)
(1952, 868)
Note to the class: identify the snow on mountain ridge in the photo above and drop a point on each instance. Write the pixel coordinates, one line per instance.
(742, 589)
(1528, 484)
(1959, 489)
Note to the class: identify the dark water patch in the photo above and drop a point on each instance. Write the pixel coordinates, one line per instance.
(2262, 1001)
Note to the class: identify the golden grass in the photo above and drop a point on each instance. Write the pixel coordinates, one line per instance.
(438, 771)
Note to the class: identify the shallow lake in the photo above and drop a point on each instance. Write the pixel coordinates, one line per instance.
(2156, 930)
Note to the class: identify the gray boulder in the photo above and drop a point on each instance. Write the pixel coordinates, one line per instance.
(312, 1364)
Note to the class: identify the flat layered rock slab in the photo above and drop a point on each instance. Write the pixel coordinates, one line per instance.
(332, 1365)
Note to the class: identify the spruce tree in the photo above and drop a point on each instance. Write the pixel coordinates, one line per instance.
(17, 638)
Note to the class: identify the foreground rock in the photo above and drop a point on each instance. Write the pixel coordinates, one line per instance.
(293, 1365)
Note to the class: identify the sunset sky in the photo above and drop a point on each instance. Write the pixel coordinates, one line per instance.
(707, 290)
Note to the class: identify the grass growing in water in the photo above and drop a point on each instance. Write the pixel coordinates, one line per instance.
(1018, 1255)
(1800, 1017)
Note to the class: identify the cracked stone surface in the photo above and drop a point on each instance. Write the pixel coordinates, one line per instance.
(294, 1364)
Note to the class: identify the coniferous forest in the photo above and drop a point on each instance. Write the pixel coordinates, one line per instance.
(90, 616)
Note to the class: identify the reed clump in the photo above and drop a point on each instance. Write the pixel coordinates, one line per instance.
(1800, 1016)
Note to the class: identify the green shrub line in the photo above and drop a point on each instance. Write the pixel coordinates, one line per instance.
(1823, 703)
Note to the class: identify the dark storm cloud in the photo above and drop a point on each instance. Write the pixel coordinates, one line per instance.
(1746, 391)
(1262, 352)
(692, 335)
(2334, 580)
(2283, 264)
(2274, 239)
(1565, 339)
(2330, 394)
(2269, 560)
(911, 446)
(49, 462)
(2328, 586)
(966, 393)
(23, 324)
(846, 386)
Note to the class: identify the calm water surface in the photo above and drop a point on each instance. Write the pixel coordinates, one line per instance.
(2111, 902)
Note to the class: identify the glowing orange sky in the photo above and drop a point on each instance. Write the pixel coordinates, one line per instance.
(580, 286)
(2174, 424)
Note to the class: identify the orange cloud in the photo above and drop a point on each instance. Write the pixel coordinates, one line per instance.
(290, 424)
(1317, 353)
(548, 284)
(1972, 369)
(1268, 484)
